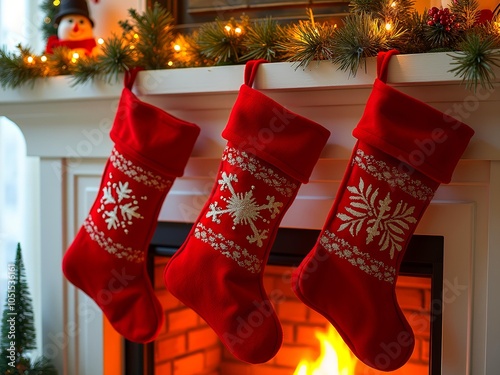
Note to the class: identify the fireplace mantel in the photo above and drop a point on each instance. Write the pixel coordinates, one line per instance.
(67, 128)
(65, 109)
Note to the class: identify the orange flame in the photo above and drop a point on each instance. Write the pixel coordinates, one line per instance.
(335, 357)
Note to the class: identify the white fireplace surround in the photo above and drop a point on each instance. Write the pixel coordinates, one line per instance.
(67, 128)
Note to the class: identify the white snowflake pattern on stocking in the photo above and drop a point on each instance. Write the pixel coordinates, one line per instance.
(378, 216)
(119, 206)
(243, 208)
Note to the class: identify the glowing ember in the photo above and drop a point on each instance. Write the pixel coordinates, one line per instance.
(335, 358)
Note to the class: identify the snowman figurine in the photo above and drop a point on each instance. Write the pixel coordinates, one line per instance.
(74, 28)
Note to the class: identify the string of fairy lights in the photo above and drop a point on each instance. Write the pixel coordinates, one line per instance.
(150, 40)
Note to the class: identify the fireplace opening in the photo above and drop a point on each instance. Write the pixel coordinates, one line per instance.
(188, 346)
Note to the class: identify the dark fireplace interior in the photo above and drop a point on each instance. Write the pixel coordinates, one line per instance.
(422, 260)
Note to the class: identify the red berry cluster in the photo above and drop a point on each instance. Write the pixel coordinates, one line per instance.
(442, 18)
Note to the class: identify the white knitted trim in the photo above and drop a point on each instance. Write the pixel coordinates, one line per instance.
(363, 261)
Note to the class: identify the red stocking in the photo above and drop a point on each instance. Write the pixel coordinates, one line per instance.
(405, 149)
(107, 258)
(218, 270)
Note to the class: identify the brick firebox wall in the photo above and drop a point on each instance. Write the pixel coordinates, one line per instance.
(188, 346)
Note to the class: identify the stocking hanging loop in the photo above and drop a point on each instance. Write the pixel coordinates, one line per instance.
(130, 76)
(383, 59)
(251, 68)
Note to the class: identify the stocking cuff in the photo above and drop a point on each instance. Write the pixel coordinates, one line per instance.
(264, 128)
(152, 136)
(413, 132)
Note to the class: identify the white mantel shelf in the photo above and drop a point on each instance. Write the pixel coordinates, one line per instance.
(428, 68)
(182, 92)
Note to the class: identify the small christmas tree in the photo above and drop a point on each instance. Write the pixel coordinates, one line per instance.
(50, 8)
(18, 329)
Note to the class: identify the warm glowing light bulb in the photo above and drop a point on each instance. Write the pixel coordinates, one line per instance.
(100, 41)
(388, 26)
(31, 60)
(177, 47)
(76, 55)
(228, 28)
(56, 3)
(170, 63)
(132, 46)
(393, 4)
(238, 30)
(136, 36)
(43, 58)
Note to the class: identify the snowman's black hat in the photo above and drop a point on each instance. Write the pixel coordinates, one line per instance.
(68, 7)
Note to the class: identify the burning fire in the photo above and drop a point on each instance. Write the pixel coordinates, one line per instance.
(335, 358)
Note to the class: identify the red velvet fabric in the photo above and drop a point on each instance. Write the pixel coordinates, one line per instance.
(218, 271)
(405, 149)
(413, 132)
(106, 259)
(295, 154)
(155, 138)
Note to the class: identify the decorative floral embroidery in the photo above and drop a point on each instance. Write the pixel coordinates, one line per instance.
(393, 176)
(378, 216)
(107, 243)
(138, 173)
(363, 261)
(247, 162)
(228, 248)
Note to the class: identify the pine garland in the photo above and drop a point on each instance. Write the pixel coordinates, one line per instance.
(467, 12)
(18, 69)
(149, 40)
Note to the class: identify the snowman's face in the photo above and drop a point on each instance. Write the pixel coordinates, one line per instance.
(74, 27)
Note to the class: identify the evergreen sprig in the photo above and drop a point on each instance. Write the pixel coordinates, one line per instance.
(372, 7)
(414, 40)
(60, 63)
(187, 52)
(475, 60)
(397, 11)
(307, 41)
(222, 41)
(360, 37)
(16, 70)
(87, 68)
(150, 34)
(262, 40)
